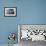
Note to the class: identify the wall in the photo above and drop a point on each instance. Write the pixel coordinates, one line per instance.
(28, 12)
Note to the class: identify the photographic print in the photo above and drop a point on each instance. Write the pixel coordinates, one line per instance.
(10, 11)
(32, 32)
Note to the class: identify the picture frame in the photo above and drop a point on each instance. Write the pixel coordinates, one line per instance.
(39, 28)
(10, 11)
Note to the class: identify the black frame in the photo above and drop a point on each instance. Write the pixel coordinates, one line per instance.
(10, 7)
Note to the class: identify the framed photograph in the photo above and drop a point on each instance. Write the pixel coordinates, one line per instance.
(33, 32)
(10, 11)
